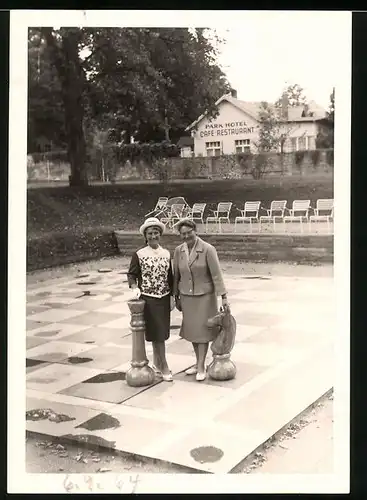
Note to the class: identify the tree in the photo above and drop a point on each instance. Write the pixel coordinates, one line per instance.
(149, 83)
(273, 131)
(158, 80)
(325, 137)
(64, 47)
(295, 96)
(274, 127)
(269, 132)
(45, 105)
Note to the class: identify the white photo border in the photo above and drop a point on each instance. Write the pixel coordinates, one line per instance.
(21, 482)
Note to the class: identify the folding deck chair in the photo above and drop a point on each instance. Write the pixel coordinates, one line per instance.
(197, 212)
(327, 207)
(276, 211)
(161, 203)
(221, 213)
(248, 214)
(298, 212)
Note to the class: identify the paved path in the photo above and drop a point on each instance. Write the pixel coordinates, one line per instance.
(79, 348)
(279, 228)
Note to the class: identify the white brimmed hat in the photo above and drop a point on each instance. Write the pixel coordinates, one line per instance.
(151, 222)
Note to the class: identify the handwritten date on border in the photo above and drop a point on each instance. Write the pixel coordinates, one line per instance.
(79, 483)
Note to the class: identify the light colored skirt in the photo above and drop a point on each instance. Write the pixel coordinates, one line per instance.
(196, 310)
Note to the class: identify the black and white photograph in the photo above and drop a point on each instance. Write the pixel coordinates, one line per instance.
(179, 219)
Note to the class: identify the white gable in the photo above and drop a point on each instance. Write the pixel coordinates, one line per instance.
(230, 121)
(231, 124)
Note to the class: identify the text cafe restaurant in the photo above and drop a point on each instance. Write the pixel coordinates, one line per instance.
(236, 128)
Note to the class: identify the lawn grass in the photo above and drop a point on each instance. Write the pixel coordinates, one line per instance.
(123, 206)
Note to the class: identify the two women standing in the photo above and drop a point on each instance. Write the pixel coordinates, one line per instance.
(195, 284)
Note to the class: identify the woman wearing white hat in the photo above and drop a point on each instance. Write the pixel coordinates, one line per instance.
(150, 274)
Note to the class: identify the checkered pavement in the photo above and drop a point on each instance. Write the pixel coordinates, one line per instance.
(79, 349)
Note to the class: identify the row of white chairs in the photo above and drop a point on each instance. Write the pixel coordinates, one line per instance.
(301, 211)
(278, 212)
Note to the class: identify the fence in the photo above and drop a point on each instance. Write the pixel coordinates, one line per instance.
(257, 166)
(50, 166)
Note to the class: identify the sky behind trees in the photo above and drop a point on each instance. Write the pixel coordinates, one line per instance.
(266, 51)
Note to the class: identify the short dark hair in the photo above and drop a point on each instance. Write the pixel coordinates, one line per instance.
(186, 222)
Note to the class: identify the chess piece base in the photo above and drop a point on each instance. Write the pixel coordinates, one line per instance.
(140, 376)
(222, 368)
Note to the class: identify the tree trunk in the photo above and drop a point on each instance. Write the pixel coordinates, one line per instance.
(166, 129)
(67, 62)
(74, 110)
(282, 141)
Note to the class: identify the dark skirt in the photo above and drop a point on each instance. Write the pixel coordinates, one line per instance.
(157, 316)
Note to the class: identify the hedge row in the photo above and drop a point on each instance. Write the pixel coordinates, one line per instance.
(64, 248)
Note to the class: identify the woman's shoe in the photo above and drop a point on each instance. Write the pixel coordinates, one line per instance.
(200, 376)
(192, 370)
(167, 377)
(156, 371)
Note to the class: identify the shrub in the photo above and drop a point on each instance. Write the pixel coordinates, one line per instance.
(315, 157)
(261, 166)
(299, 157)
(147, 152)
(51, 156)
(228, 167)
(188, 169)
(160, 168)
(61, 248)
(245, 161)
(330, 157)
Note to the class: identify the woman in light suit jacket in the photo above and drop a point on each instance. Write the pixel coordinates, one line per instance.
(197, 281)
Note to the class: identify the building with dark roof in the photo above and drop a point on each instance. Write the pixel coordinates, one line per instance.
(236, 127)
(186, 144)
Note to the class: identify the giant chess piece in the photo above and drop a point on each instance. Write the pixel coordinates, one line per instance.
(222, 367)
(140, 374)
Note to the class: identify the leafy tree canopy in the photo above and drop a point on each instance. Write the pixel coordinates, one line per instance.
(149, 83)
(294, 94)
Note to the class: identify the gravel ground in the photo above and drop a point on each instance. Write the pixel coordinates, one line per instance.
(305, 446)
(245, 268)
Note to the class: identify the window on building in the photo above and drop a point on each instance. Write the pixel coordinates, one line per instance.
(242, 145)
(301, 143)
(213, 148)
(285, 145)
(311, 142)
(294, 143)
